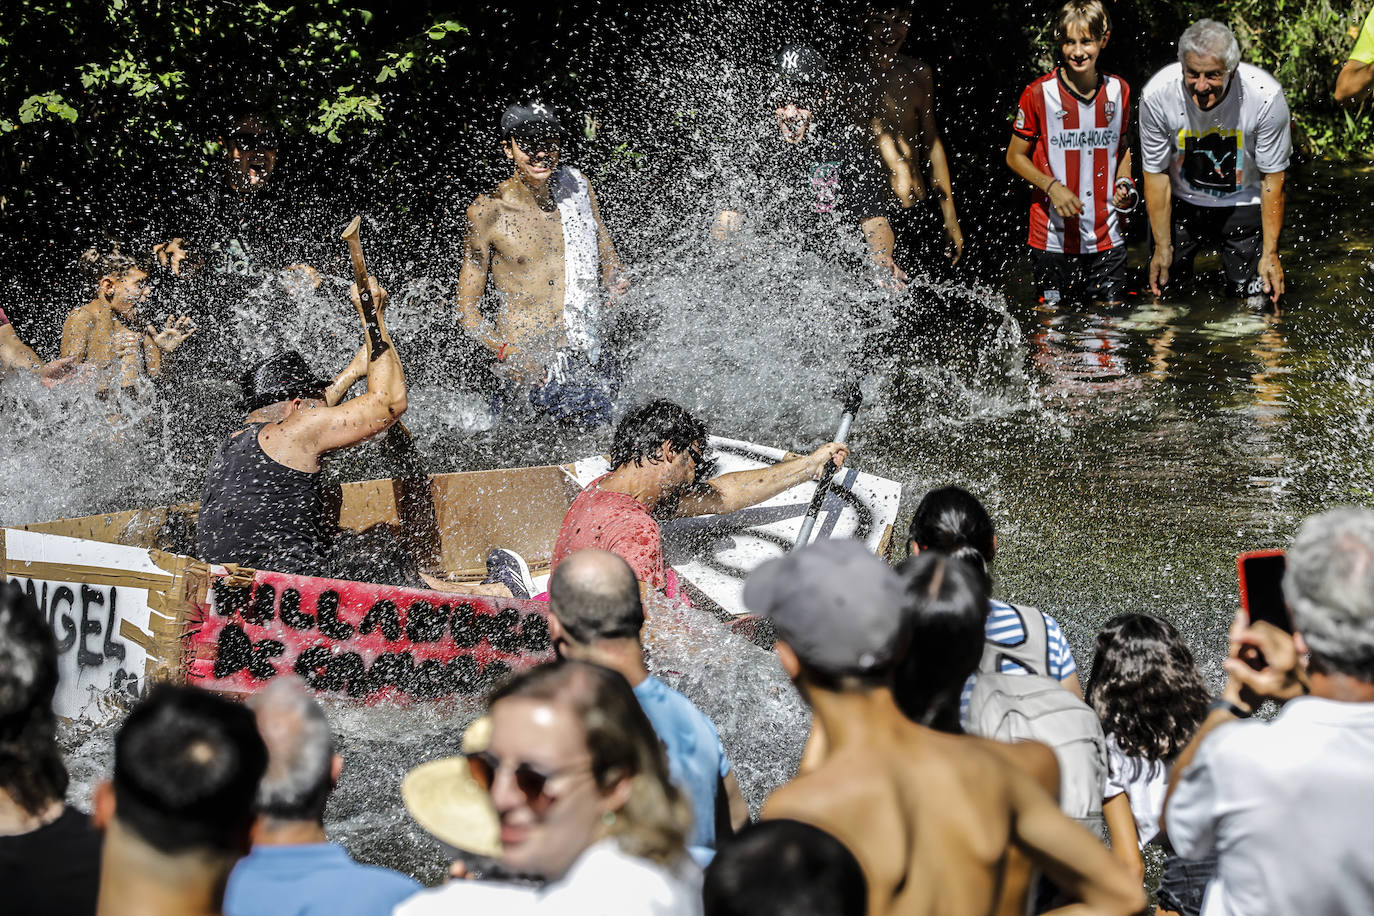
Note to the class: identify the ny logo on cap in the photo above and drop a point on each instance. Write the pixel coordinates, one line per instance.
(789, 60)
(538, 108)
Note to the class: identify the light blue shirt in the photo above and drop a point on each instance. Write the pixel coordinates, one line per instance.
(696, 758)
(312, 879)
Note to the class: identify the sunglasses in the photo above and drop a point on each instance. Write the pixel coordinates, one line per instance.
(703, 464)
(531, 782)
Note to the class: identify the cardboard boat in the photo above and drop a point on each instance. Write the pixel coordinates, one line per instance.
(129, 605)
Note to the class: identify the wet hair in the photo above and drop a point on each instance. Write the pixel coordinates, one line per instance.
(31, 768)
(1090, 15)
(595, 596)
(300, 753)
(643, 430)
(1146, 688)
(1209, 38)
(654, 822)
(952, 520)
(186, 770)
(99, 264)
(1329, 585)
(784, 868)
(947, 611)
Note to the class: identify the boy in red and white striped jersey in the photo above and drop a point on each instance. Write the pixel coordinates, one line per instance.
(1069, 141)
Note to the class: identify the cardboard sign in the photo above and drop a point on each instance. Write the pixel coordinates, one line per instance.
(362, 641)
(100, 601)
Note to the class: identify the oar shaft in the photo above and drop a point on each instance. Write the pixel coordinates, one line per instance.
(370, 319)
(813, 511)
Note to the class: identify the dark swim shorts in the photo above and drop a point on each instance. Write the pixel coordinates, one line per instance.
(574, 390)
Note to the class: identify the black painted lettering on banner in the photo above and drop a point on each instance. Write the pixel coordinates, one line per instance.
(291, 613)
(534, 632)
(464, 626)
(425, 622)
(84, 656)
(262, 608)
(230, 600)
(236, 651)
(69, 628)
(383, 615)
(327, 616)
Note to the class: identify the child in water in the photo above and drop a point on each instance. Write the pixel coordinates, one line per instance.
(1069, 142)
(1151, 699)
(105, 332)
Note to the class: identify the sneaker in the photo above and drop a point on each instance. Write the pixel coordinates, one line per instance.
(1256, 301)
(511, 570)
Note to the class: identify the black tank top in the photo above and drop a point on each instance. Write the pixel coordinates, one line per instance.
(260, 513)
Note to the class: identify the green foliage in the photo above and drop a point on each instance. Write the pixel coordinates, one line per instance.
(119, 75)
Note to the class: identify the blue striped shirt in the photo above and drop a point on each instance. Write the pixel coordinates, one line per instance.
(1004, 626)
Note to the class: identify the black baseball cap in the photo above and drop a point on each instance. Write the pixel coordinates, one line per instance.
(801, 64)
(530, 121)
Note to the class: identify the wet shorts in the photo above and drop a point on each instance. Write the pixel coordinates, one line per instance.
(574, 391)
(1235, 231)
(1098, 276)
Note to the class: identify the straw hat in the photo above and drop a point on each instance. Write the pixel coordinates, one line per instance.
(445, 800)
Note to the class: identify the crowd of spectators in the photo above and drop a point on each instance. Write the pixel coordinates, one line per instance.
(601, 790)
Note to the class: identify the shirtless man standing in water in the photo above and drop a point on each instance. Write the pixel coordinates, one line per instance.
(931, 817)
(899, 101)
(539, 237)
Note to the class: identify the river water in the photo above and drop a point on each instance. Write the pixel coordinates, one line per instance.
(1126, 454)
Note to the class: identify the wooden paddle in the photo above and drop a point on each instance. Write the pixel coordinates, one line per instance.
(355, 252)
(853, 400)
(410, 485)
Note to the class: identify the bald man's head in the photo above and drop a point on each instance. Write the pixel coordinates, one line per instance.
(595, 596)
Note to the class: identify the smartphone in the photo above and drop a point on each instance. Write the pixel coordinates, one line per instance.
(1261, 587)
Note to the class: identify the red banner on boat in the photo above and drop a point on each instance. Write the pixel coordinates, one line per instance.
(360, 640)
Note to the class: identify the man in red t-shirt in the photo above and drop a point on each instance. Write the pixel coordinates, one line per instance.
(656, 461)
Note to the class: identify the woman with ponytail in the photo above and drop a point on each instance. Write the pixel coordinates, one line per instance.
(953, 521)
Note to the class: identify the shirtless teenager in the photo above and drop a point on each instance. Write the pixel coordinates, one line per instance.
(901, 114)
(106, 333)
(538, 237)
(931, 817)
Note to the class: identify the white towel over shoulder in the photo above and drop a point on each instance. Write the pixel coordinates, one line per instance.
(581, 263)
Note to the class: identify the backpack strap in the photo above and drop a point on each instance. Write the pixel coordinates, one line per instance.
(1031, 653)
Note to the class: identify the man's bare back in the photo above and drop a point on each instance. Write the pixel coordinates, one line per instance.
(934, 818)
(925, 814)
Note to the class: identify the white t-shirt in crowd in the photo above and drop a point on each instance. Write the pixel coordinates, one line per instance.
(604, 881)
(1288, 806)
(1215, 158)
(1145, 783)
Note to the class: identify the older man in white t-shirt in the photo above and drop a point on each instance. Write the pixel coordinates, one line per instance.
(1287, 804)
(1214, 144)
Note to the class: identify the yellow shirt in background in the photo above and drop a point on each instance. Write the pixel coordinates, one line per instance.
(1363, 52)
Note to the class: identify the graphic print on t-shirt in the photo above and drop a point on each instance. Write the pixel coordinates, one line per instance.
(1211, 160)
(825, 183)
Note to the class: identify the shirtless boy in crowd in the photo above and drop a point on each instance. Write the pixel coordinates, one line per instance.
(900, 100)
(105, 332)
(539, 238)
(931, 817)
